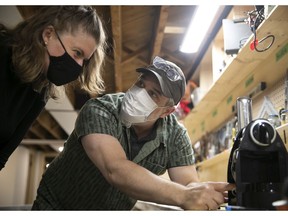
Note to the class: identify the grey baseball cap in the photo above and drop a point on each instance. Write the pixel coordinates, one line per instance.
(170, 76)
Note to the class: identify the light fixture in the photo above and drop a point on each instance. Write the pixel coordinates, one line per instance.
(198, 27)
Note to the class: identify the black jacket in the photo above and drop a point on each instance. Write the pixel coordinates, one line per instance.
(20, 105)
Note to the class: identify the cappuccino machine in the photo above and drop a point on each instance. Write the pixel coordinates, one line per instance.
(258, 162)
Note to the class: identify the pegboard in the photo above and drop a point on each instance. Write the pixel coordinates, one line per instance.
(275, 94)
(211, 145)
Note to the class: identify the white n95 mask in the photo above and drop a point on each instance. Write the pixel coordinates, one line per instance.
(136, 107)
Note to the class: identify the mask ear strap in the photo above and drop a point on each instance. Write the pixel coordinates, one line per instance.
(167, 112)
(60, 40)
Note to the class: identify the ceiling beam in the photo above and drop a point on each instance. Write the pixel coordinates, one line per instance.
(43, 142)
(159, 31)
(117, 37)
(37, 130)
(47, 122)
(173, 57)
(134, 54)
(174, 30)
(139, 58)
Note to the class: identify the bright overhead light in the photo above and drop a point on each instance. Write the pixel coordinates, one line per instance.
(198, 27)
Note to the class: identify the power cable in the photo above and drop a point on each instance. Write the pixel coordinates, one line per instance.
(256, 17)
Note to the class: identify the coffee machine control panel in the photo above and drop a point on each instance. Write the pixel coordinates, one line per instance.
(262, 133)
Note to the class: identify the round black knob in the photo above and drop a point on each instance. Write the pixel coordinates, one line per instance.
(262, 132)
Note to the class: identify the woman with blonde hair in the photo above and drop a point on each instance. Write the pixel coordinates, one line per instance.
(56, 46)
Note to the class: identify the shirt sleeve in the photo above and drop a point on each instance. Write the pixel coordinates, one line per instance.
(94, 117)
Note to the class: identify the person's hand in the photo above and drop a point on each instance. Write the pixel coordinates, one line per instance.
(206, 195)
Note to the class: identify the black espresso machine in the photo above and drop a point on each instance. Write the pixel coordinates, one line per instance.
(258, 162)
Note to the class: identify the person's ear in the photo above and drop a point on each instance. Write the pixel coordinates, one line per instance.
(167, 112)
(47, 34)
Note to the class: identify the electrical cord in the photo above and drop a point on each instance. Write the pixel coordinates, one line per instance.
(263, 39)
(254, 23)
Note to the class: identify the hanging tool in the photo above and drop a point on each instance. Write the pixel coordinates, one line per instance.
(286, 90)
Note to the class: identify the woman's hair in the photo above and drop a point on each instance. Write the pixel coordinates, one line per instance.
(29, 49)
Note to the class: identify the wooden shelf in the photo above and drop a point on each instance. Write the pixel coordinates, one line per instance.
(215, 168)
(244, 73)
(283, 133)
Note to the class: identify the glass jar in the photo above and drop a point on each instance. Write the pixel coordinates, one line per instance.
(284, 117)
(274, 120)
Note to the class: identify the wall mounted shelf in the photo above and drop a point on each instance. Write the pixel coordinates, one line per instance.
(241, 75)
